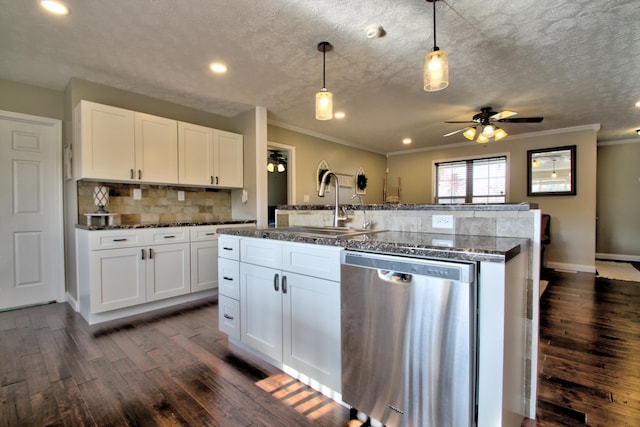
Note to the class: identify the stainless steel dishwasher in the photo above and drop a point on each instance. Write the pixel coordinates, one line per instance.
(409, 339)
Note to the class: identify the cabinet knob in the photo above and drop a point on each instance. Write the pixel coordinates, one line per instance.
(276, 282)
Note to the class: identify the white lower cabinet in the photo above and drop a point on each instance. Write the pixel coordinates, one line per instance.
(168, 271)
(293, 318)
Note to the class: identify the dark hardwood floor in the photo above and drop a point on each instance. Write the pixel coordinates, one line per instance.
(589, 364)
(176, 368)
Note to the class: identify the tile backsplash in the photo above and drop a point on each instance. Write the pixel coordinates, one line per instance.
(159, 203)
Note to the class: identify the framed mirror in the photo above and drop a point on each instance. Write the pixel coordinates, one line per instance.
(551, 171)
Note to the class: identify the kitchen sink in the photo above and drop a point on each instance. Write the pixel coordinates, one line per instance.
(327, 232)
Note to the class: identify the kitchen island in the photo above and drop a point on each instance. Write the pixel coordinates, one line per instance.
(502, 351)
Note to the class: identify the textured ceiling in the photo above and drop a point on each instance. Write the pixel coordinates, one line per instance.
(575, 62)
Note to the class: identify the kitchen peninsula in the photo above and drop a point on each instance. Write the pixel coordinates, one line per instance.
(500, 239)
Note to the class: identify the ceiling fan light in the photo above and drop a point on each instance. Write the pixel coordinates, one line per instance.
(535, 163)
(470, 133)
(482, 139)
(271, 167)
(324, 105)
(436, 70)
(499, 134)
(281, 167)
(489, 131)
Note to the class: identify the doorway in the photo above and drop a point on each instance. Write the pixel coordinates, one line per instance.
(31, 236)
(280, 178)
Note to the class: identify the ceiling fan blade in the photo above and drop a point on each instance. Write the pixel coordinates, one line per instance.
(464, 121)
(522, 120)
(502, 115)
(457, 131)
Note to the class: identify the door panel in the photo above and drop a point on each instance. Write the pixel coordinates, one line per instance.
(31, 239)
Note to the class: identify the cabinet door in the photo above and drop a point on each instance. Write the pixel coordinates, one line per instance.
(156, 141)
(228, 159)
(261, 309)
(168, 271)
(106, 146)
(117, 279)
(195, 154)
(311, 328)
(204, 265)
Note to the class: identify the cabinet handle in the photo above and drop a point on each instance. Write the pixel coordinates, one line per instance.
(276, 280)
(120, 240)
(210, 234)
(284, 284)
(226, 248)
(131, 173)
(143, 253)
(228, 278)
(228, 316)
(216, 180)
(139, 174)
(150, 253)
(212, 179)
(169, 237)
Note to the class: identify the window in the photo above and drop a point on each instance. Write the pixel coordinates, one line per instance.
(472, 181)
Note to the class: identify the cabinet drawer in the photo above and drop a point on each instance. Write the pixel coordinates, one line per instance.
(229, 316)
(160, 236)
(111, 239)
(263, 252)
(204, 233)
(229, 278)
(229, 247)
(312, 260)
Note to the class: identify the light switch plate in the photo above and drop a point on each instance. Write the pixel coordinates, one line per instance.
(180, 196)
(442, 221)
(137, 194)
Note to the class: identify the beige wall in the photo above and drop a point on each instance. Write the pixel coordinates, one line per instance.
(572, 217)
(27, 99)
(618, 210)
(341, 159)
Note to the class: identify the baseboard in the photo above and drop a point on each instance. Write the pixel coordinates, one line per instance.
(571, 267)
(618, 257)
(72, 302)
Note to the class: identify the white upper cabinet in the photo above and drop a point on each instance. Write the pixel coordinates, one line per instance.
(122, 145)
(106, 149)
(156, 141)
(209, 157)
(115, 144)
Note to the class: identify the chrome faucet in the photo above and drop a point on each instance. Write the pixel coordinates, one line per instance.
(336, 215)
(365, 223)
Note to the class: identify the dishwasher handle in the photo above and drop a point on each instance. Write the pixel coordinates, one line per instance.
(395, 276)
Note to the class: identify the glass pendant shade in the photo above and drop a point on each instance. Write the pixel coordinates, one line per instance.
(436, 70)
(271, 167)
(489, 131)
(482, 139)
(281, 167)
(500, 133)
(324, 105)
(470, 134)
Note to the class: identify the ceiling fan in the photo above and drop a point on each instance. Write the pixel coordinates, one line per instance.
(483, 124)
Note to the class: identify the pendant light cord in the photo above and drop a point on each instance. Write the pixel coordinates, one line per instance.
(324, 54)
(435, 45)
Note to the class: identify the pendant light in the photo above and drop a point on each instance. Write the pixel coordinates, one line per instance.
(324, 98)
(436, 63)
(554, 174)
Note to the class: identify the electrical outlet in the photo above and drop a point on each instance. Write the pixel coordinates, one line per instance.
(137, 194)
(180, 196)
(442, 221)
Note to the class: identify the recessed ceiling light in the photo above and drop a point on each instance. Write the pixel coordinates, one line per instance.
(218, 67)
(407, 141)
(55, 7)
(339, 115)
(638, 104)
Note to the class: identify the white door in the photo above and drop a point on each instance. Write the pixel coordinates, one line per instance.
(31, 237)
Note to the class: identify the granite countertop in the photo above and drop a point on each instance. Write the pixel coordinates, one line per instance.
(427, 245)
(160, 225)
(524, 206)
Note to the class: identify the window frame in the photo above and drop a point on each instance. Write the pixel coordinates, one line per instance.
(434, 168)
